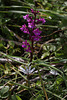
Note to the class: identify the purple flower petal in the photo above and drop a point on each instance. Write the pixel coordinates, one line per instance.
(36, 38)
(34, 12)
(31, 25)
(24, 29)
(26, 45)
(37, 32)
(26, 16)
(41, 20)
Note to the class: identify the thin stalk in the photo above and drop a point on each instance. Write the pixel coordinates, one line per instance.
(44, 91)
(28, 82)
(19, 73)
(31, 54)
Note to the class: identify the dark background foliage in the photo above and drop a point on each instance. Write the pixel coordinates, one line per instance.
(50, 51)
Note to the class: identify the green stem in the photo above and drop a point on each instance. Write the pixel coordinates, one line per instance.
(31, 54)
(44, 91)
(28, 82)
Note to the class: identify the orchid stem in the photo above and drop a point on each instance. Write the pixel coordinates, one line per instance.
(31, 54)
(28, 83)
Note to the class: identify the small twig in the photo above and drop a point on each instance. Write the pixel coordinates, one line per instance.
(45, 43)
(55, 32)
(64, 97)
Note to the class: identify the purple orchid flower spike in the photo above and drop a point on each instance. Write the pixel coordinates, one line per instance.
(33, 32)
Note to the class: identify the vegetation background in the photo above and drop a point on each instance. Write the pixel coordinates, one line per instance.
(50, 55)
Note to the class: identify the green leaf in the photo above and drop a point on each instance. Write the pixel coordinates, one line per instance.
(1, 45)
(45, 55)
(39, 97)
(64, 20)
(18, 98)
(14, 97)
(4, 90)
(14, 11)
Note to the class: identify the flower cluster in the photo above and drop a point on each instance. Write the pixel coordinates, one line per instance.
(24, 29)
(26, 45)
(34, 33)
